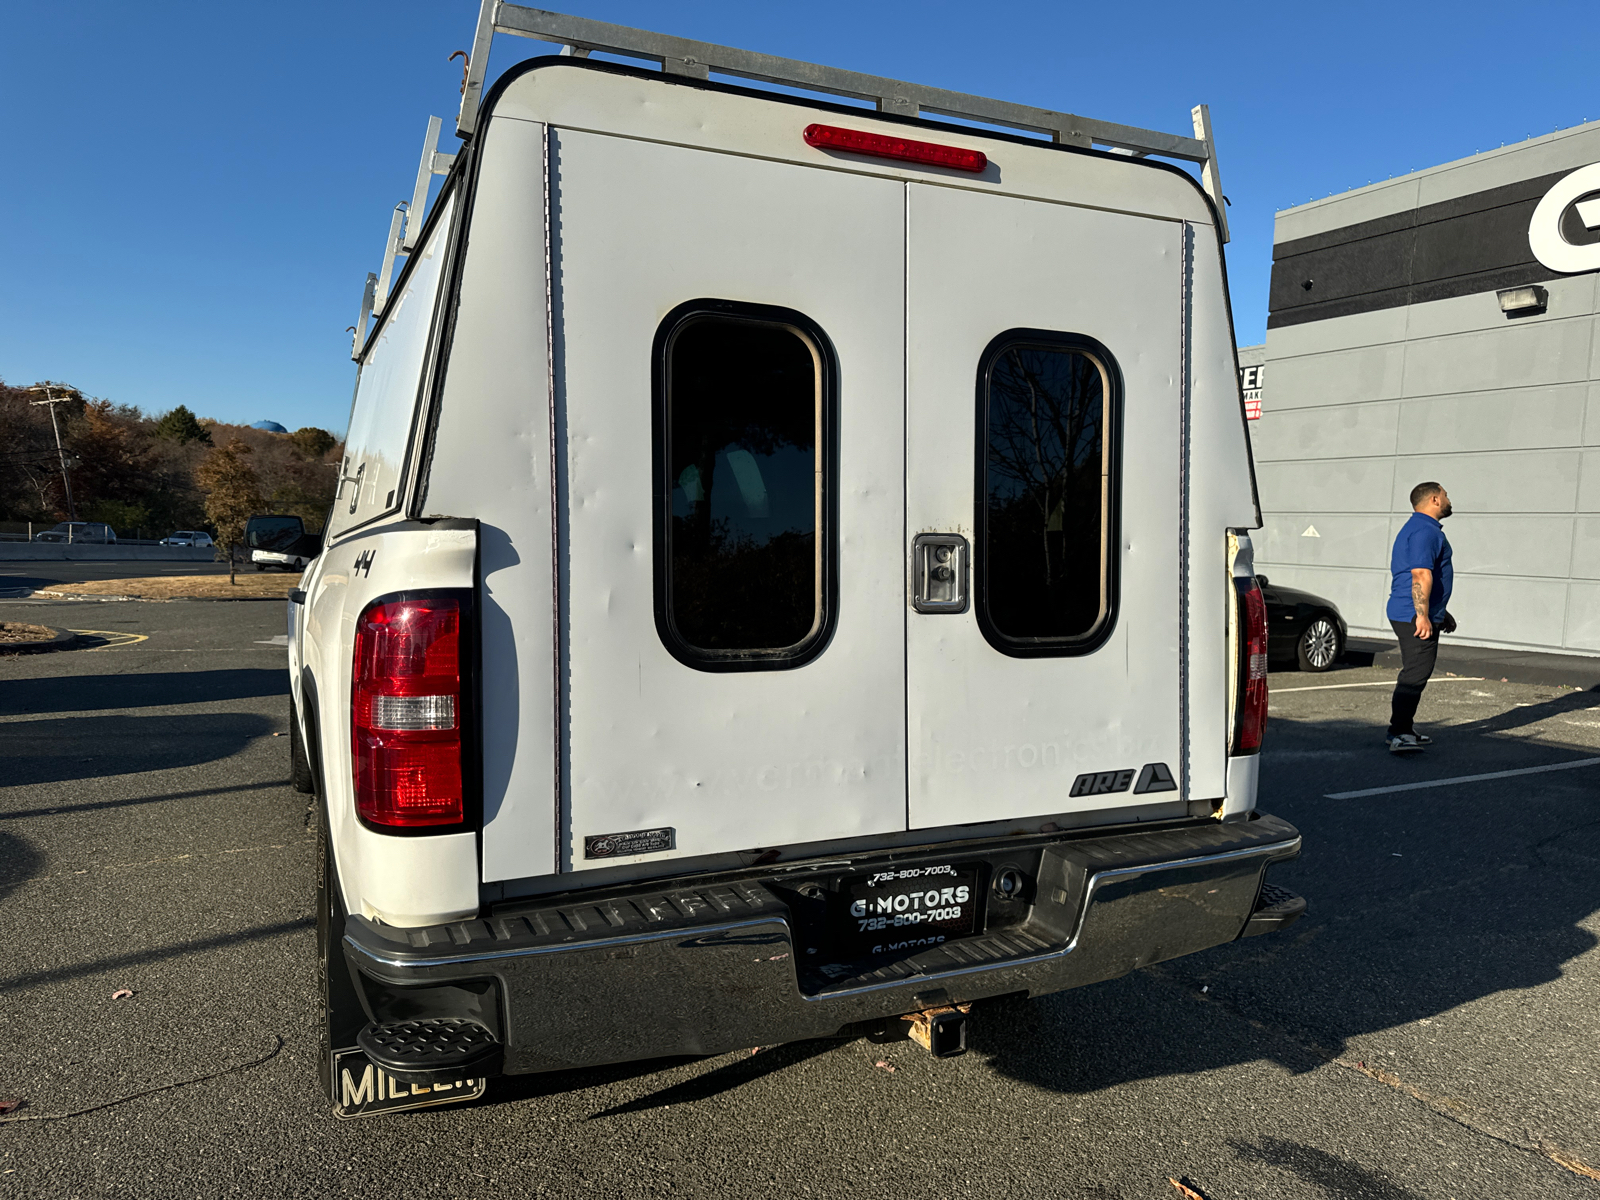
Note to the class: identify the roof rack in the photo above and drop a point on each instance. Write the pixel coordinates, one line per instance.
(405, 227)
(697, 60)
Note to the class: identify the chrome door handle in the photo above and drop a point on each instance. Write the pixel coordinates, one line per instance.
(939, 573)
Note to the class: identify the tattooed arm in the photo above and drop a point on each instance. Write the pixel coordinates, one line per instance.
(1421, 590)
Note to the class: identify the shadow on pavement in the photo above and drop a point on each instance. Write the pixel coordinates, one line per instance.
(90, 693)
(724, 1079)
(65, 748)
(1335, 1176)
(1420, 902)
(18, 861)
(57, 810)
(157, 954)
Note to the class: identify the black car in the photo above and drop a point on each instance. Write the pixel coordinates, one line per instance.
(1302, 626)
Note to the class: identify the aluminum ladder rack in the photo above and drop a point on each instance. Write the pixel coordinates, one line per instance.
(689, 59)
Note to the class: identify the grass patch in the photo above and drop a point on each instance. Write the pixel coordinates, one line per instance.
(193, 587)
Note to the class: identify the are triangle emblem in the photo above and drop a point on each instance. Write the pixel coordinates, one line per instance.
(1311, 531)
(1156, 777)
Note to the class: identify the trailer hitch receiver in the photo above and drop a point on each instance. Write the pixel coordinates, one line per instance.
(942, 1031)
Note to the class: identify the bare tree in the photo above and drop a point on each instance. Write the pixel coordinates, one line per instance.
(1045, 461)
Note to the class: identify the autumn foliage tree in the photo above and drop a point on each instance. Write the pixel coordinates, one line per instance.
(139, 473)
(232, 495)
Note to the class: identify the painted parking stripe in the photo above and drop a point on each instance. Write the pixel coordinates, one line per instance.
(1329, 687)
(114, 639)
(1433, 783)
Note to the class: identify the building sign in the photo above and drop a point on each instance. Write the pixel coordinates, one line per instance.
(1564, 233)
(1250, 384)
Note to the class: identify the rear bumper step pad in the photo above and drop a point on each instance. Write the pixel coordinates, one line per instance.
(722, 965)
(428, 1048)
(1276, 908)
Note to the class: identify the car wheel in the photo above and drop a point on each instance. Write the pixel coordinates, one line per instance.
(1319, 648)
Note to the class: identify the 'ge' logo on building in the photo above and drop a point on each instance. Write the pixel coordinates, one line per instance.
(1565, 231)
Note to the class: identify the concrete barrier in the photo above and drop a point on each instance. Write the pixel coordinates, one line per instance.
(89, 552)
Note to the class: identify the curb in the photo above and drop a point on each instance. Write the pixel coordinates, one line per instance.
(64, 639)
(77, 596)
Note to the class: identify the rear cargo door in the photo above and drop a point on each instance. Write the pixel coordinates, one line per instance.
(1043, 489)
(728, 338)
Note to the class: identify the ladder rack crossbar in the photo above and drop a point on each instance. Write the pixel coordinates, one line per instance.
(685, 57)
(690, 59)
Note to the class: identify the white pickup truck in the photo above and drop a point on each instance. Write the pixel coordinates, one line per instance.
(788, 576)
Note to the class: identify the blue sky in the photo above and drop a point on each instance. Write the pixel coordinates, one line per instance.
(193, 199)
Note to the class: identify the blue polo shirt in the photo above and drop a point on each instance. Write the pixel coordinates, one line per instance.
(1421, 545)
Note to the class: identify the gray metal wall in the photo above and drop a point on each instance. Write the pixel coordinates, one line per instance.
(1505, 412)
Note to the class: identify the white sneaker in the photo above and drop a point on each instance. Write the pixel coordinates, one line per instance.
(1404, 743)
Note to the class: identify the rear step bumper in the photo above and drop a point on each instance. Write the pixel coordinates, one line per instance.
(726, 962)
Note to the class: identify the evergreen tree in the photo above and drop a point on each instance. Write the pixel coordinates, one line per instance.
(180, 426)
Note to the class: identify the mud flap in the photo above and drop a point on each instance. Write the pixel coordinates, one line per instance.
(363, 1089)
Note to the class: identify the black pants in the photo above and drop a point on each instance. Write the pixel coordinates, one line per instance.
(1416, 668)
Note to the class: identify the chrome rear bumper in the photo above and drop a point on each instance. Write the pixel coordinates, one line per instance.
(717, 963)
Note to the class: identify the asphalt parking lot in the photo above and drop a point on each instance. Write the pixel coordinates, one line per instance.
(31, 574)
(1427, 1031)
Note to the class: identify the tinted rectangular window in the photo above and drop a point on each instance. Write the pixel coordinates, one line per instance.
(743, 521)
(1046, 494)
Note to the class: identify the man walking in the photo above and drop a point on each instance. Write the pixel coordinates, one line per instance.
(1417, 608)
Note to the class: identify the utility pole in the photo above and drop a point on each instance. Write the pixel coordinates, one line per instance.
(52, 400)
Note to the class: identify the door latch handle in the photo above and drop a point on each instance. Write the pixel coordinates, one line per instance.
(939, 573)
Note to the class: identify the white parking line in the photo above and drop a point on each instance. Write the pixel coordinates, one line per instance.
(1433, 783)
(1328, 687)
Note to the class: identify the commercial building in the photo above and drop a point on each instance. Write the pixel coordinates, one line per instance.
(1445, 326)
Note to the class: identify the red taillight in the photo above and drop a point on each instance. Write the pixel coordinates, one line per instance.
(1252, 718)
(881, 146)
(406, 698)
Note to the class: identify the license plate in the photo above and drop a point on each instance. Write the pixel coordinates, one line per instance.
(907, 908)
(365, 1089)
